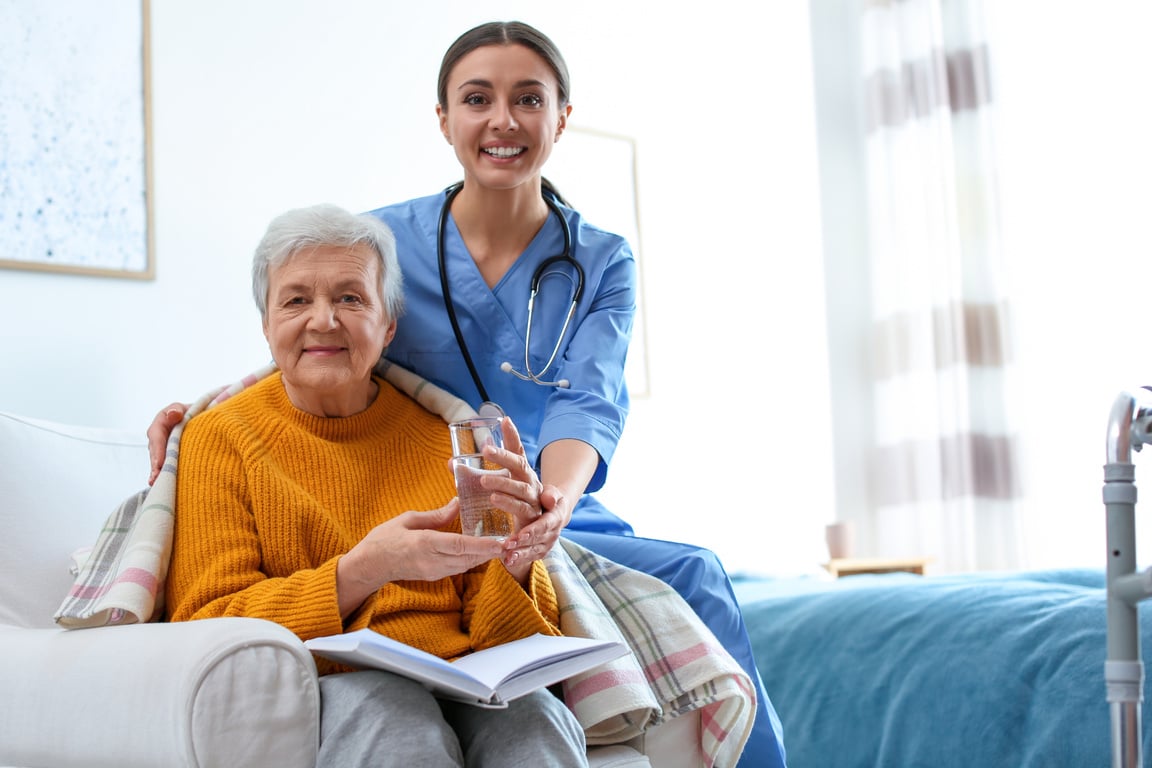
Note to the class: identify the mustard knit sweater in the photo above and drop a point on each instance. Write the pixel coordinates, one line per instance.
(269, 497)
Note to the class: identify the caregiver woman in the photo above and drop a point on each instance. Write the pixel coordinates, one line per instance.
(502, 104)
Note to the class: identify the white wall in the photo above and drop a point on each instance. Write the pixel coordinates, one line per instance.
(262, 105)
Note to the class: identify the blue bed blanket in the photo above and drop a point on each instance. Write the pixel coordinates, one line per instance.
(975, 670)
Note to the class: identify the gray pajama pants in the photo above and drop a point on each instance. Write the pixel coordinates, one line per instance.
(372, 718)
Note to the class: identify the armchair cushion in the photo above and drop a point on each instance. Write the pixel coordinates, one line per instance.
(57, 485)
(195, 693)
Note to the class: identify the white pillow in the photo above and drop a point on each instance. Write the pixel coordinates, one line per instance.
(58, 483)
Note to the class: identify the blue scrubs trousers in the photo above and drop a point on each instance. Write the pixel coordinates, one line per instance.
(698, 576)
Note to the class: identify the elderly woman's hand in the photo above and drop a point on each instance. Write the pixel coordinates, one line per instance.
(409, 547)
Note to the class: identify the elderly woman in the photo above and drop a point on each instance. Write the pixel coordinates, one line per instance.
(294, 505)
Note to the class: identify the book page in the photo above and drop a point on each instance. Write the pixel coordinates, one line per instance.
(495, 665)
(366, 648)
(487, 677)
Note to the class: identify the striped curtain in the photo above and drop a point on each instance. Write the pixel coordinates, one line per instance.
(944, 466)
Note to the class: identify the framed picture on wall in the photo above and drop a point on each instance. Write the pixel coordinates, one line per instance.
(75, 168)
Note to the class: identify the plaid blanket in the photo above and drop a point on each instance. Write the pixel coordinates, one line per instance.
(677, 665)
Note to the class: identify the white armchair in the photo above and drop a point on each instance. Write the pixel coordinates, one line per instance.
(220, 692)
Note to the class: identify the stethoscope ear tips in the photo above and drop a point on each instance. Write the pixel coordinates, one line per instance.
(506, 367)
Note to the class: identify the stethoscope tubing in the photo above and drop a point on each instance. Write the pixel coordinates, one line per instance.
(537, 276)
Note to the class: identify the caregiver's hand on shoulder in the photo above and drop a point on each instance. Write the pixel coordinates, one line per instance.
(158, 433)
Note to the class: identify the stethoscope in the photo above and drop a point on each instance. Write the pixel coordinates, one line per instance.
(577, 279)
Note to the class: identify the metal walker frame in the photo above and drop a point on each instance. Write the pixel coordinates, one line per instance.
(1129, 428)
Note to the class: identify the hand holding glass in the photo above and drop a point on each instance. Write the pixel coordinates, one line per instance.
(478, 516)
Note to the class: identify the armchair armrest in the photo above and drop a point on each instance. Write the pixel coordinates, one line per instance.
(235, 691)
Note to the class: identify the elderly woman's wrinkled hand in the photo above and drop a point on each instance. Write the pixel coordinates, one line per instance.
(410, 547)
(414, 547)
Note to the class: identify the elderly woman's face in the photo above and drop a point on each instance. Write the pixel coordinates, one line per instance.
(326, 327)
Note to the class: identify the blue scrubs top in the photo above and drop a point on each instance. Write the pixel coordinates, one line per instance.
(493, 322)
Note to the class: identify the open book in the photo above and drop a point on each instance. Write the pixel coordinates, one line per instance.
(488, 678)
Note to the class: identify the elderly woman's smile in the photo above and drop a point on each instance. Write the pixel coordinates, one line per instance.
(326, 327)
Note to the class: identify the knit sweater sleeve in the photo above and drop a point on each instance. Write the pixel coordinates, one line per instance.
(217, 567)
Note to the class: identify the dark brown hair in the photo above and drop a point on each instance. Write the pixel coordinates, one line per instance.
(504, 33)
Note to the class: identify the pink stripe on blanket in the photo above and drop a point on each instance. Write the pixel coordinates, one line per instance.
(137, 576)
(593, 684)
(677, 660)
(710, 725)
(237, 387)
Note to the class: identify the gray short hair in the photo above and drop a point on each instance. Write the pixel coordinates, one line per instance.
(327, 225)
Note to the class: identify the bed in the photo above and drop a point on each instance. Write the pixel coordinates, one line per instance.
(964, 670)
